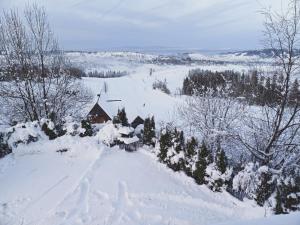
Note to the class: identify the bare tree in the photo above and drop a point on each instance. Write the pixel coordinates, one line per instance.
(38, 78)
(273, 137)
(215, 118)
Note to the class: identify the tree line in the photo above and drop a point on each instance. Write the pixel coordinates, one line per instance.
(252, 87)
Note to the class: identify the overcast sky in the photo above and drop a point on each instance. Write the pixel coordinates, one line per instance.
(199, 24)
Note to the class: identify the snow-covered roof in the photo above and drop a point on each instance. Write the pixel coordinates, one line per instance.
(126, 130)
(128, 141)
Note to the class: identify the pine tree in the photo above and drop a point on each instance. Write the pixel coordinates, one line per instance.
(278, 208)
(178, 145)
(146, 132)
(149, 132)
(274, 82)
(294, 96)
(123, 117)
(190, 152)
(264, 189)
(88, 128)
(116, 119)
(152, 132)
(221, 161)
(191, 148)
(291, 200)
(254, 79)
(201, 165)
(165, 142)
(50, 133)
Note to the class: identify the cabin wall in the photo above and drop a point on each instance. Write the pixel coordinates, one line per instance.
(98, 119)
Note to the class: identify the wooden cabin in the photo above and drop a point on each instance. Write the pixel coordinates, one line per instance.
(137, 121)
(98, 115)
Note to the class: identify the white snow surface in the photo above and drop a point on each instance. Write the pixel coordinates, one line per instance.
(292, 219)
(91, 184)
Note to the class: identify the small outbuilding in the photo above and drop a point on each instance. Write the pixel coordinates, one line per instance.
(137, 121)
(98, 115)
(130, 144)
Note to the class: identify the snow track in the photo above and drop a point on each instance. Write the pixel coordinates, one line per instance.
(131, 188)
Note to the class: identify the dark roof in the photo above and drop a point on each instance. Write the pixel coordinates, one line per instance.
(98, 111)
(137, 121)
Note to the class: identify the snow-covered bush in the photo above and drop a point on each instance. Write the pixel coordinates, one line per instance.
(74, 128)
(161, 85)
(254, 182)
(288, 194)
(111, 134)
(246, 180)
(24, 133)
(49, 128)
(215, 179)
(4, 147)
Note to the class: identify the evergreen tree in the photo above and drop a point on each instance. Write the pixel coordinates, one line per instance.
(165, 142)
(190, 152)
(149, 132)
(4, 147)
(294, 96)
(278, 207)
(268, 83)
(152, 131)
(123, 117)
(88, 128)
(201, 165)
(146, 133)
(186, 89)
(264, 189)
(290, 189)
(178, 145)
(50, 133)
(254, 79)
(190, 148)
(221, 161)
(274, 82)
(116, 119)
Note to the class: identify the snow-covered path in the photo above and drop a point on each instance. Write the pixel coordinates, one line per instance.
(131, 188)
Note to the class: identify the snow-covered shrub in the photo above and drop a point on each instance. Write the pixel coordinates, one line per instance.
(288, 193)
(215, 179)
(161, 85)
(49, 128)
(254, 182)
(109, 134)
(4, 147)
(246, 180)
(88, 130)
(72, 127)
(24, 133)
(171, 150)
(265, 185)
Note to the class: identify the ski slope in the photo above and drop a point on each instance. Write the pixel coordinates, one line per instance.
(91, 184)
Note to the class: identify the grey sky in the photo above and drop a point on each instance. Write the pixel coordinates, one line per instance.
(201, 24)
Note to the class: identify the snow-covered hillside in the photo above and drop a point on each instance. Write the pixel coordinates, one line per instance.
(135, 90)
(92, 184)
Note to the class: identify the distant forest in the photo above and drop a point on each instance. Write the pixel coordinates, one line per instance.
(251, 87)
